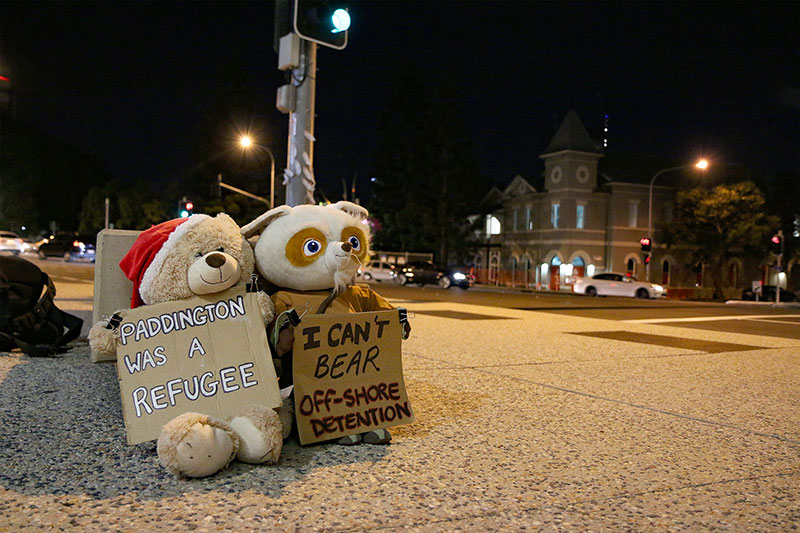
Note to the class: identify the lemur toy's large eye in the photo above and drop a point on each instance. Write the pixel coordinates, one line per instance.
(355, 242)
(305, 246)
(311, 247)
(355, 237)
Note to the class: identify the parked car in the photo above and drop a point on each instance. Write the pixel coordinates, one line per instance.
(11, 243)
(376, 270)
(616, 284)
(70, 246)
(422, 272)
(768, 294)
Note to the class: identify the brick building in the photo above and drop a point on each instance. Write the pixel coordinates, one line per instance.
(587, 215)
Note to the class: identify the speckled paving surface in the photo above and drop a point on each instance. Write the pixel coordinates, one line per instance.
(520, 425)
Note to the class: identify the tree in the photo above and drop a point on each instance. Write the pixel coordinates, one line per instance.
(428, 181)
(715, 225)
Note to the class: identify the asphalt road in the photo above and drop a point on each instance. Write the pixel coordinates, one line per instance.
(74, 284)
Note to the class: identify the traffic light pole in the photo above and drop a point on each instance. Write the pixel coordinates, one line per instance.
(778, 271)
(300, 182)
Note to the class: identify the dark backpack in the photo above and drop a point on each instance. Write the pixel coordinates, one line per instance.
(29, 319)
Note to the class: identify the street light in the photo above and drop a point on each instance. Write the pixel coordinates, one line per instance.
(246, 142)
(701, 164)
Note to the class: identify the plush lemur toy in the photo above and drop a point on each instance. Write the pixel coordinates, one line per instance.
(178, 259)
(312, 253)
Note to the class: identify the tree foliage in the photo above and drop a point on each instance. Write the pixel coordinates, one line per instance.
(714, 225)
(427, 180)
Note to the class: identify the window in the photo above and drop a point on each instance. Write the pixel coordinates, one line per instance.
(633, 214)
(554, 209)
(579, 216)
(492, 225)
(514, 220)
(528, 220)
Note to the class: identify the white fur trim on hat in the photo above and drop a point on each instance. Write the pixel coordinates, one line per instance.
(155, 266)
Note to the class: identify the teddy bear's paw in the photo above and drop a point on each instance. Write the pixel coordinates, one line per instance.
(260, 435)
(266, 306)
(196, 445)
(102, 339)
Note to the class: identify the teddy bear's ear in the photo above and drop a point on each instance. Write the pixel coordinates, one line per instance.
(351, 209)
(264, 220)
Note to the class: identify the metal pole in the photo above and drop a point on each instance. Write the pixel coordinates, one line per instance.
(271, 179)
(650, 216)
(300, 182)
(778, 273)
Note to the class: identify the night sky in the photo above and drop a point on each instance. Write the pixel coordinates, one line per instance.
(128, 81)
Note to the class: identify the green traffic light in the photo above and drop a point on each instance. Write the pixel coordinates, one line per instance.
(340, 20)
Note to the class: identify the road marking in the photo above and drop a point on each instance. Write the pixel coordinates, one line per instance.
(672, 342)
(701, 319)
(460, 315)
(71, 279)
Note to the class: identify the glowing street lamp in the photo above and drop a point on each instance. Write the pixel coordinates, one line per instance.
(246, 142)
(702, 164)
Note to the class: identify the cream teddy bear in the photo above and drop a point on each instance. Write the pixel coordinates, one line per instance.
(198, 445)
(312, 253)
(178, 259)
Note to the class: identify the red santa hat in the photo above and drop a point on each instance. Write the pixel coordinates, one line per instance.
(143, 261)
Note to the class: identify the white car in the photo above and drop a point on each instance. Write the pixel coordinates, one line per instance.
(11, 242)
(616, 284)
(376, 271)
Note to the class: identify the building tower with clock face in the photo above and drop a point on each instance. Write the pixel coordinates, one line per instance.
(570, 160)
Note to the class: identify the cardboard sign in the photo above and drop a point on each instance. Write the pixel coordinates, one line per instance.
(203, 354)
(348, 375)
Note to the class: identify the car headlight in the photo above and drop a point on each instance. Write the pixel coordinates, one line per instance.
(658, 288)
(458, 276)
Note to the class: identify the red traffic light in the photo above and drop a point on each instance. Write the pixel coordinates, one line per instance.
(644, 241)
(776, 239)
(189, 206)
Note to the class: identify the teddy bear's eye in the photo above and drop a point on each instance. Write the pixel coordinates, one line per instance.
(311, 247)
(221, 249)
(355, 242)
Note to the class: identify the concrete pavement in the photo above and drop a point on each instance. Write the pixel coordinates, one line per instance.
(521, 424)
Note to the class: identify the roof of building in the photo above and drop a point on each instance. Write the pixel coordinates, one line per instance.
(572, 135)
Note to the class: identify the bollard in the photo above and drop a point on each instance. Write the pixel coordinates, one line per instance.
(112, 290)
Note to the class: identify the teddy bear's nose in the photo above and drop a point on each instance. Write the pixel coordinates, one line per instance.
(215, 260)
(346, 247)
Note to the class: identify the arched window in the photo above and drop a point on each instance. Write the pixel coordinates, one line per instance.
(631, 267)
(512, 266)
(665, 273)
(578, 267)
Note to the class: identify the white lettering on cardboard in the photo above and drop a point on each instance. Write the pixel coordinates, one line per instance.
(180, 320)
(163, 396)
(196, 347)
